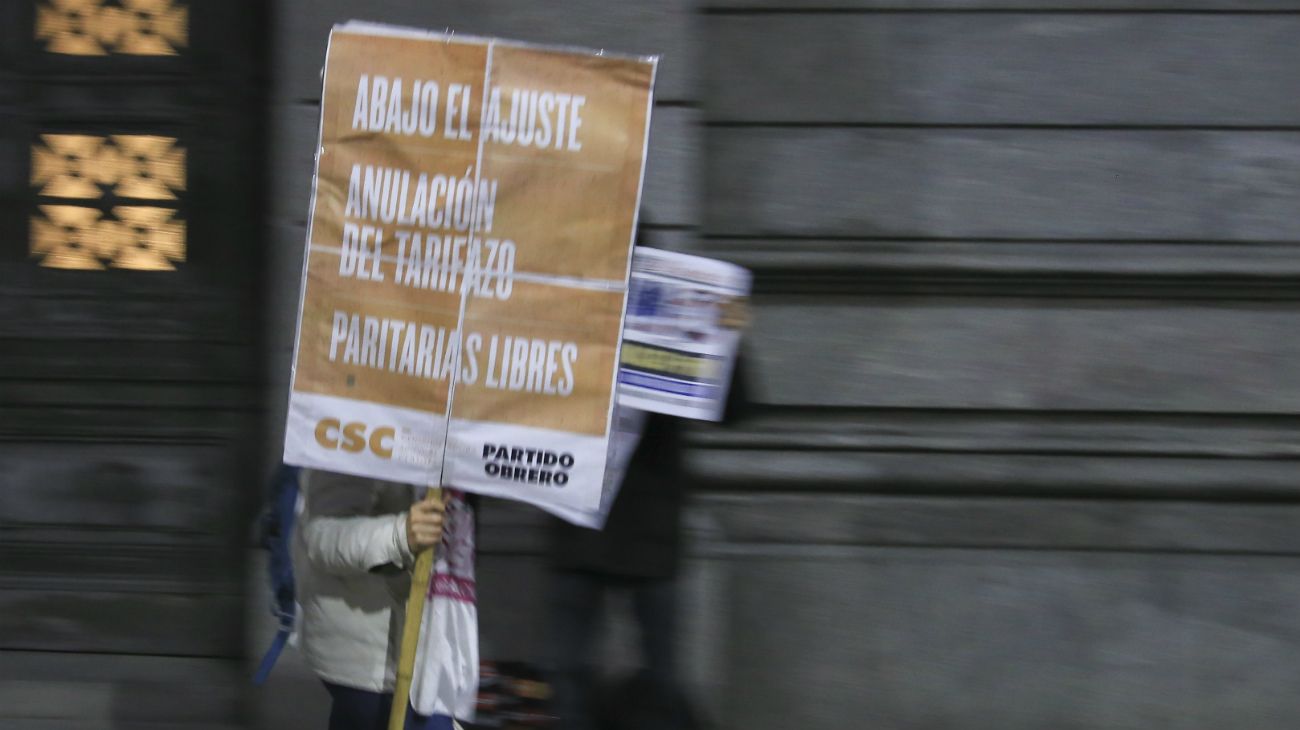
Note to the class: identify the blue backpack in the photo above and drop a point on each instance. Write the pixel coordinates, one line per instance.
(276, 532)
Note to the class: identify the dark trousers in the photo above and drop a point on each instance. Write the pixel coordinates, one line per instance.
(357, 709)
(576, 608)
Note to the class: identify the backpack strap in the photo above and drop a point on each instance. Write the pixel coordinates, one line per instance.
(271, 656)
(277, 531)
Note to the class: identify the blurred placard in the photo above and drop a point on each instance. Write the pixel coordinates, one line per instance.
(684, 320)
(467, 264)
(626, 430)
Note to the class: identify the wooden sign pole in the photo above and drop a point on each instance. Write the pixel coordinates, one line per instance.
(420, 577)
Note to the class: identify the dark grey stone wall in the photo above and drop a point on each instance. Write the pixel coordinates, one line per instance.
(130, 401)
(1025, 276)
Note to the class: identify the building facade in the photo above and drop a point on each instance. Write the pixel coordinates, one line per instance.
(1027, 275)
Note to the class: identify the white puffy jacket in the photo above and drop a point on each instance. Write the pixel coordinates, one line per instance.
(351, 563)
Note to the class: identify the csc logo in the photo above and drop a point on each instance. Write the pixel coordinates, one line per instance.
(352, 437)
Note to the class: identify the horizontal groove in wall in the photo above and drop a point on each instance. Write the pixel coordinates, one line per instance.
(993, 10)
(741, 525)
(1027, 432)
(249, 406)
(738, 523)
(117, 656)
(1199, 270)
(767, 237)
(740, 550)
(999, 454)
(1014, 126)
(981, 476)
(845, 284)
(197, 383)
(159, 434)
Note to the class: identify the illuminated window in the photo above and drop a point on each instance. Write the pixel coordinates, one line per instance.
(107, 202)
(103, 27)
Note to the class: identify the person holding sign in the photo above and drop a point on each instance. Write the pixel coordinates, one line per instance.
(638, 553)
(463, 295)
(354, 549)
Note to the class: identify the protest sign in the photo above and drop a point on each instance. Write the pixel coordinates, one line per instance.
(626, 430)
(468, 253)
(682, 331)
(684, 320)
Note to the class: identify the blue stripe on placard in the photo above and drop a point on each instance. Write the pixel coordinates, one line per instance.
(666, 385)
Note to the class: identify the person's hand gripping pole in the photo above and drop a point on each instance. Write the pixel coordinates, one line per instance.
(424, 523)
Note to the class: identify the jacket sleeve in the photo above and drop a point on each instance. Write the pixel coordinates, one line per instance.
(740, 397)
(342, 534)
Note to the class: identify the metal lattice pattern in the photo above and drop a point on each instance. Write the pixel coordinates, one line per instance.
(87, 166)
(107, 201)
(103, 27)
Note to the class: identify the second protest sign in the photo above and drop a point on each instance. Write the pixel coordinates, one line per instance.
(466, 275)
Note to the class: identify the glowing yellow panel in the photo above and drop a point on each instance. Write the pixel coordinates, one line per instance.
(133, 165)
(64, 166)
(76, 237)
(148, 166)
(79, 232)
(149, 239)
(69, 237)
(94, 28)
(69, 27)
